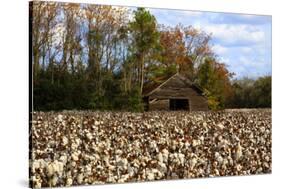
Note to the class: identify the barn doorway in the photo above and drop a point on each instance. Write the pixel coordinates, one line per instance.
(179, 104)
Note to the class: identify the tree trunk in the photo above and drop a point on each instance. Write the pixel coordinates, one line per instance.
(142, 73)
(36, 64)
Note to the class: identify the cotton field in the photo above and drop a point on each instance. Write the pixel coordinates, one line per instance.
(85, 147)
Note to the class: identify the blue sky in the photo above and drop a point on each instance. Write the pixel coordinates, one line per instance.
(242, 42)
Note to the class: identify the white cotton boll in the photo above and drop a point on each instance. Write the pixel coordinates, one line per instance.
(267, 158)
(238, 153)
(95, 157)
(196, 143)
(78, 141)
(88, 170)
(251, 136)
(74, 156)
(124, 178)
(122, 163)
(73, 163)
(136, 163)
(262, 129)
(36, 181)
(97, 123)
(155, 171)
(230, 160)
(80, 178)
(111, 167)
(110, 179)
(223, 143)
(153, 146)
(50, 170)
(38, 185)
(150, 175)
(160, 157)
(181, 145)
(74, 146)
(181, 158)
(235, 138)
(220, 126)
(60, 167)
(106, 160)
(192, 162)
(173, 157)
(89, 136)
(238, 167)
(162, 167)
(159, 175)
(174, 144)
(131, 171)
(218, 157)
(165, 155)
(64, 141)
(204, 124)
(186, 144)
(262, 140)
(35, 165)
(69, 182)
(224, 163)
(217, 172)
(60, 118)
(63, 159)
(55, 166)
(265, 164)
(54, 181)
(118, 152)
(200, 171)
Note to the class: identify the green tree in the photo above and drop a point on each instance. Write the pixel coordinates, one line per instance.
(262, 92)
(145, 37)
(215, 79)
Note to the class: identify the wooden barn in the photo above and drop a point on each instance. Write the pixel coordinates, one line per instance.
(176, 93)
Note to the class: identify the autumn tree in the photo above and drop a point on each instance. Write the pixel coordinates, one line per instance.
(43, 21)
(173, 53)
(183, 50)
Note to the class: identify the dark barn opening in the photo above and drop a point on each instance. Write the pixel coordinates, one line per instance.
(179, 104)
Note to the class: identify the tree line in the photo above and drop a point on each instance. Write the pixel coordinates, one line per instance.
(102, 57)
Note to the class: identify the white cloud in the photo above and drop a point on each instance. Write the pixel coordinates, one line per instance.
(246, 49)
(248, 16)
(219, 49)
(235, 34)
(245, 61)
(192, 13)
(224, 60)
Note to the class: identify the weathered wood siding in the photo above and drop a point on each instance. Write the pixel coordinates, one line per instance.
(160, 105)
(178, 88)
(198, 103)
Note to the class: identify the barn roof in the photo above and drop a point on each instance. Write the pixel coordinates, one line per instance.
(151, 88)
